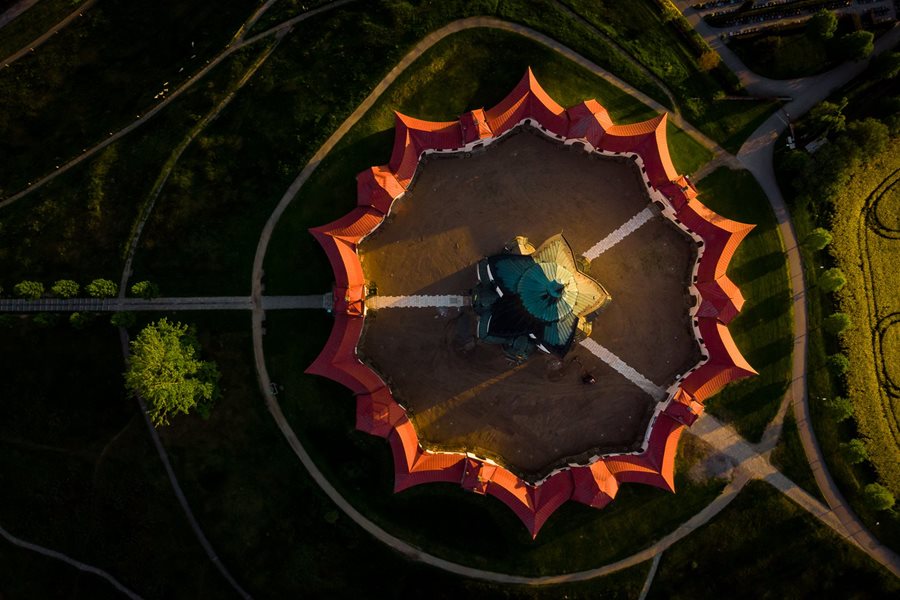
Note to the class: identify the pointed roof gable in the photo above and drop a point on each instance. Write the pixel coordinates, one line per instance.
(527, 100)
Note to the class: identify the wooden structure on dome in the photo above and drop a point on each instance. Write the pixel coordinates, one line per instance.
(588, 123)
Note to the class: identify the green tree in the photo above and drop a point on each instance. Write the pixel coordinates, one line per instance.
(145, 289)
(65, 288)
(886, 65)
(871, 135)
(838, 364)
(165, 370)
(709, 60)
(837, 322)
(8, 321)
(123, 319)
(822, 25)
(878, 497)
(832, 280)
(102, 288)
(30, 290)
(855, 451)
(856, 45)
(840, 409)
(828, 116)
(817, 239)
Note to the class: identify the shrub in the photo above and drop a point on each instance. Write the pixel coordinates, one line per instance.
(840, 409)
(832, 280)
(838, 364)
(822, 25)
(145, 289)
(102, 288)
(65, 288)
(80, 320)
(8, 321)
(818, 238)
(857, 45)
(855, 451)
(30, 290)
(836, 323)
(878, 497)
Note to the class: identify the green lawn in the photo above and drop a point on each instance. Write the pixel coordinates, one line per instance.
(79, 473)
(77, 226)
(763, 328)
(468, 70)
(475, 530)
(764, 545)
(783, 56)
(789, 458)
(96, 75)
(274, 528)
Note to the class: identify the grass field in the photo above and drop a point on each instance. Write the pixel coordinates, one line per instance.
(783, 56)
(97, 74)
(360, 466)
(802, 557)
(77, 226)
(639, 28)
(468, 70)
(789, 458)
(79, 474)
(763, 328)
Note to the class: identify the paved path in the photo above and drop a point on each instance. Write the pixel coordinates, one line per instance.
(48, 34)
(650, 575)
(621, 232)
(417, 301)
(68, 560)
(624, 369)
(160, 304)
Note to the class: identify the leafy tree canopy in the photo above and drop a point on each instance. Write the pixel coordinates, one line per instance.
(832, 280)
(822, 25)
(65, 288)
(878, 497)
(817, 239)
(145, 289)
(30, 290)
(102, 288)
(855, 451)
(165, 370)
(857, 45)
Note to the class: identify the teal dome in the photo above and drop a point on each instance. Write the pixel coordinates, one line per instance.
(548, 291)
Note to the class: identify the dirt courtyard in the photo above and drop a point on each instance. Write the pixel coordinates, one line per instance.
(466, 396)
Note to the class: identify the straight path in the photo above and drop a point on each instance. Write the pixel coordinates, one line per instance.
(160, 304)
(650, 575)
(69, 561)
(621, 232)
(624, 369)
(48, 34)
(417, 301)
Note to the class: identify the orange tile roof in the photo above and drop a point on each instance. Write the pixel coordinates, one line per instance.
(379, 414)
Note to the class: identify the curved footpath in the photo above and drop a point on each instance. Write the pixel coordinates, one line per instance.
(749, 460)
